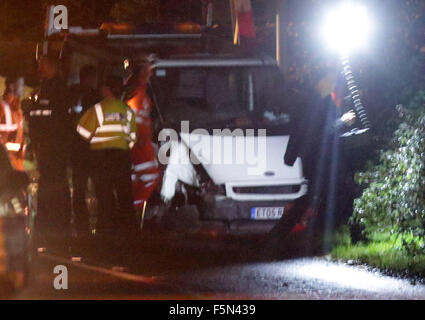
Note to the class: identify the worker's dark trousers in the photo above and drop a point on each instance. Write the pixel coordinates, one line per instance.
(112, 181)
(54, 201)
(80, 162)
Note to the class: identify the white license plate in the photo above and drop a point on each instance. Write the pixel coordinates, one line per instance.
(266, 213)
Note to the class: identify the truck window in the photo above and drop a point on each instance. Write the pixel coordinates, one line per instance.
(216, 96)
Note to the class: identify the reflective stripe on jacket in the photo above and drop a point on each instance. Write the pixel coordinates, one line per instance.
(110, 124)
(6, 120)
(11, 128)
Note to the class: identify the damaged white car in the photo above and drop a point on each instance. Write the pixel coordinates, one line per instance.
(223, 126)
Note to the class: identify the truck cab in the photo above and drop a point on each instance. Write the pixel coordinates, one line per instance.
(222, 121)
(225, 123)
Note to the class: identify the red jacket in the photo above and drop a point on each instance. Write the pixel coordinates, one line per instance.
(145, 174)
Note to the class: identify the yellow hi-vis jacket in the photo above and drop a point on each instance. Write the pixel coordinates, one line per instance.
(110, 124)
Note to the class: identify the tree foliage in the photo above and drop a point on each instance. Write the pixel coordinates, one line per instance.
(394, 199)
(394, 195)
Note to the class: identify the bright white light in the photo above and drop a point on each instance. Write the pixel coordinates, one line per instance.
(347, 28)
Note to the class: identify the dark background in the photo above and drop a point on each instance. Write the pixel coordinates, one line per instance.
(390, 67)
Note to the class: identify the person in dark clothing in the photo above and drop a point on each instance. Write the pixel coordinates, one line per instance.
(84, 95)
(316, 140)
(10, 179)
(49, 132)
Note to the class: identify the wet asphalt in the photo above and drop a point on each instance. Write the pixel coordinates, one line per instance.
(207, 266)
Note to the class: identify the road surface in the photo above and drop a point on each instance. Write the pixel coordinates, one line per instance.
(182, 266)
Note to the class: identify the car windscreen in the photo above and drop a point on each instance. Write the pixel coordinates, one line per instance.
(217, 97)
